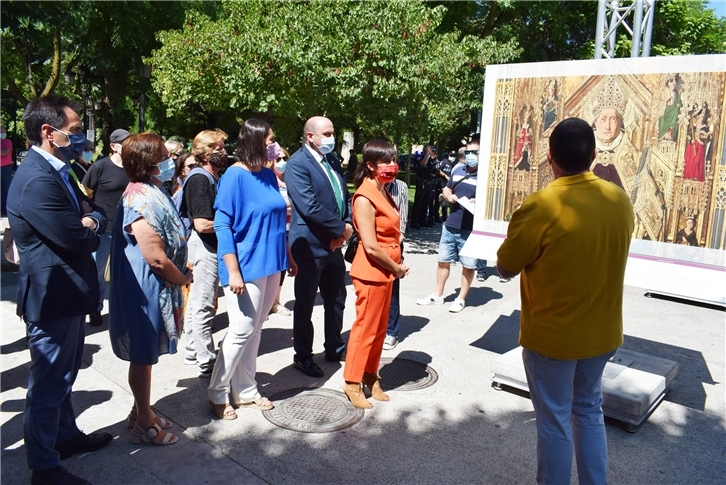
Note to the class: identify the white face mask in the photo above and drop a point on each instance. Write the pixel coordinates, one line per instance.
(166, 170)
(328, 144)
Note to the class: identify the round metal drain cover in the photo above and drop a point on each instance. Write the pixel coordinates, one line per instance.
(312, 411)
(405, 375)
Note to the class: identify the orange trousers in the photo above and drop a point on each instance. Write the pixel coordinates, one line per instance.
(365, 344)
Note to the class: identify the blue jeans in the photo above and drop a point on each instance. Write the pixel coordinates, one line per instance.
(56, 349)
(6, 176)
(394, 317)
(567, 400)
(450, 245)
(101, 257)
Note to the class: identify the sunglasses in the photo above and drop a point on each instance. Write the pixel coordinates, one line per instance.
(471, 152)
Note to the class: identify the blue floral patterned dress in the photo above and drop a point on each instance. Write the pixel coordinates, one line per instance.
(145, 316)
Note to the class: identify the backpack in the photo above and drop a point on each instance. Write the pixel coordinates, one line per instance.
(180, 203)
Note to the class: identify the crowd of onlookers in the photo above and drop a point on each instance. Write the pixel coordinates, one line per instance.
(164, 228)
(156, 229)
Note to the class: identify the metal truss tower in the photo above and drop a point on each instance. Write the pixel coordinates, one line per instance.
(611, 16)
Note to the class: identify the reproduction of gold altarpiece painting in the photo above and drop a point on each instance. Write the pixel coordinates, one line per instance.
(659, 136)
(659, 131)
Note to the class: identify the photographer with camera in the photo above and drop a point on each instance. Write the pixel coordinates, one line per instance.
(426, 173)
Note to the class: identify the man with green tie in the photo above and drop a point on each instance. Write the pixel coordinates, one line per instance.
(320, 225)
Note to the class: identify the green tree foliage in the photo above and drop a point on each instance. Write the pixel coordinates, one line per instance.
(102, 43)
(564, 30)
(380, 68)
(545, 30)
(683, 27)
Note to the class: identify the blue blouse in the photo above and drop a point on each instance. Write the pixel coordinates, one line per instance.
(250, 223)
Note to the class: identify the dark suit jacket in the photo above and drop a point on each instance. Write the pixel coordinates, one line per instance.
(316, 219)
(57, 276)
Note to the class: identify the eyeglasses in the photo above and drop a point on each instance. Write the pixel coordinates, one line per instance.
(190, 166)
(176, 155)
(471, 152)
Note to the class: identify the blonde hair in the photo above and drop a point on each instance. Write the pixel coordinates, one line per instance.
(173, 145)
(203, 144)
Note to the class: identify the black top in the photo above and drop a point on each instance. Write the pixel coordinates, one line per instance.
(199, 197)
(108, 182)
(427, 171)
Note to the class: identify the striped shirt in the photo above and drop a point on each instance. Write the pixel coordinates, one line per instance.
(399, 193)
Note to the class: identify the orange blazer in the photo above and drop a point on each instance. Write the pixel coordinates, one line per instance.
(388, 234)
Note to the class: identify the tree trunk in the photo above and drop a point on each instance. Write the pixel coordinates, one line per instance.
(55, 73)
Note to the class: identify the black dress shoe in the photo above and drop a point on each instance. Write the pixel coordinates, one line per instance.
(83, 443)
(57, 475)
(308, 367)
(339, 357)
(95, 319)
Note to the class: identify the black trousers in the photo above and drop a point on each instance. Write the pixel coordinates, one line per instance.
(328, 274)
(422, 200)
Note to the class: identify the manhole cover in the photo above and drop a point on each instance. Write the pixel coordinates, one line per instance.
(405, 375)
(312, 411)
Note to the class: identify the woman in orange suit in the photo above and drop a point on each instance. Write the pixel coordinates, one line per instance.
(376, 264)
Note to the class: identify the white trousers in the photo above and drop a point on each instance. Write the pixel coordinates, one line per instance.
(233, 378)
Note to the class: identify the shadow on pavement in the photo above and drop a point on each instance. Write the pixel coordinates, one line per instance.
(502, 336)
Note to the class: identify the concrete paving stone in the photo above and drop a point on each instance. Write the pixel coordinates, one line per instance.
(458, 431)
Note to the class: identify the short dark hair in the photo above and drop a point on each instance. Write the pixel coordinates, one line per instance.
(572, 144)
(45, 110)
(374, 152)
(180, 162)
(141, 153)
(251, 149)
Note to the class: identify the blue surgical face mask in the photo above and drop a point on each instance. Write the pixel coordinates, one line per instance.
(75, 146)
(328, 145)
(87, 156)
(280, 166)
(3, 136)
(166, 170)
(472, 160)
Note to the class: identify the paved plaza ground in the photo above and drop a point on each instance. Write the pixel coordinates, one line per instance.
(458, 431)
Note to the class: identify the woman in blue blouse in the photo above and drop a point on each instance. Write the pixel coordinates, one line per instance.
(252, 251)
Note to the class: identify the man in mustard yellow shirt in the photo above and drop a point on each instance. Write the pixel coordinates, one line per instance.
(570, 241)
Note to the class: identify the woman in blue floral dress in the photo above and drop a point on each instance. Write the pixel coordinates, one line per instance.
(148, 268)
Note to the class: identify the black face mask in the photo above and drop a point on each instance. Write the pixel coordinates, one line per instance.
(218, 159)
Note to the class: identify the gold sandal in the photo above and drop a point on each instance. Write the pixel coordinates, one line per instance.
(355, 394)
(223, 411)
(373, 382)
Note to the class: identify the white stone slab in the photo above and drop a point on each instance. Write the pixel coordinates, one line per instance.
(633, 384)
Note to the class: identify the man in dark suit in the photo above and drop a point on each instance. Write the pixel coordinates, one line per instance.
(319, 226)
(56, 230)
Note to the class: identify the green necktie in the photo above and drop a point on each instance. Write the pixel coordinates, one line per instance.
(336, 187)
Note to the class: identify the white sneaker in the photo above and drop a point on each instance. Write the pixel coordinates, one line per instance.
(457, 306)
(432, 299)
(390, 342)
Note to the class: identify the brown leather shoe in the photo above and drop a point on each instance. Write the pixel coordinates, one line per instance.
(83, 443)
(57, 475)
(373, 382)
(95, 319)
